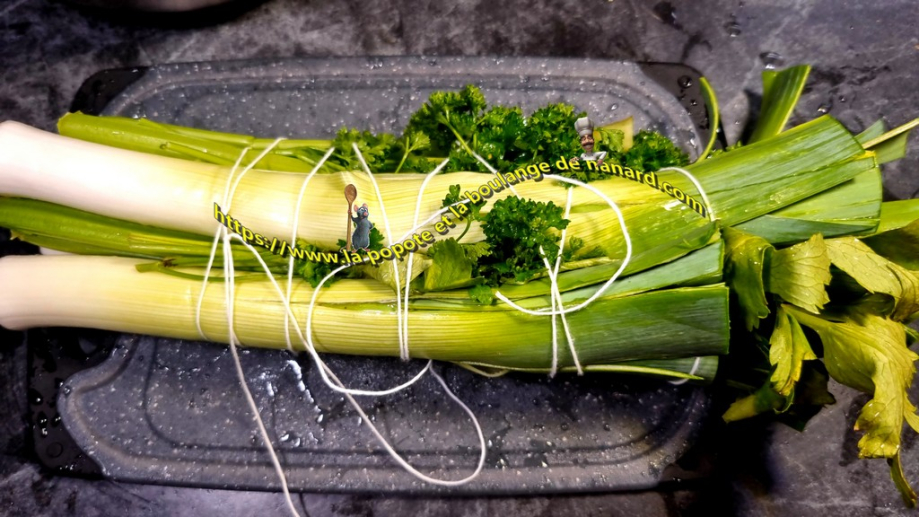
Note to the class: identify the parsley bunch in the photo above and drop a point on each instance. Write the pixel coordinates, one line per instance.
(515, 230)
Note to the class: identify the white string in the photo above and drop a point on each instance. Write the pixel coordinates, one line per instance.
(293, 239)
(711, 216)
(403, 344)
(210, 262)
(692, 371)
(555, 295)
(229, 290)
(403, 352)
(229, 275)
(684, 172)
(334, 383)
(228, 194)
(325, 371)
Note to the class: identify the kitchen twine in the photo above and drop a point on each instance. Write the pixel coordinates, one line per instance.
(328, 376)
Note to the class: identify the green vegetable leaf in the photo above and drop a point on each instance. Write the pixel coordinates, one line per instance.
(452, 198)
(381, 152)
(653, 151)
(804, 401)
(476, 250)
(447, 117)
(900, 481)
(760, 401)
(611, 140)
(874, 130)
(788, 349)
(800, 274)
(870, 354)
(891, 145)
(450, 267)
(781, 91)
(482, 294)
(550, 134)
(413, 142)
(516, 229)
(745, 258)
(900, 245)
(385, 273)
(313, 272)
(810, 395)
(714, 116)
(876, 274)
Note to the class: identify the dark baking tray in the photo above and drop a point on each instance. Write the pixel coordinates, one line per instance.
(138, 408)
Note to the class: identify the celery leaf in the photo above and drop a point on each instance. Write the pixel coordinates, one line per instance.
(869, 353)
(788, 349)
(745, 257)
(899, 479)
(800, 274)
(450, 267)
(900, 245)
(760, 401)
(876, 274)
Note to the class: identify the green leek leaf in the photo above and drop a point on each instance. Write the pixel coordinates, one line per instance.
(781, 91)
(714, 116)
(874, 130)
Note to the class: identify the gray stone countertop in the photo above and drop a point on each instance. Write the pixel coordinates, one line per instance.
(866, 66)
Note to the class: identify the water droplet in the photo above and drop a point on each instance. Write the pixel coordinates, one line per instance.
(684, 81)
(665, 12)
(613, 107)
(35, 397)
(733, 28)
(771, 60)
(825, 107)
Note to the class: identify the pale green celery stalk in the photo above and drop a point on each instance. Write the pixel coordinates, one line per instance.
(781, 91)
(690, 368)
(107, 293)
(182, 142)
(76, 231)
(700, 267)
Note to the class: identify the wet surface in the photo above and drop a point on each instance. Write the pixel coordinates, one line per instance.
(866, 60)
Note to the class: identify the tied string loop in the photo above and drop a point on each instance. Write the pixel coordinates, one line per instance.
(557, 306)
(222, 235)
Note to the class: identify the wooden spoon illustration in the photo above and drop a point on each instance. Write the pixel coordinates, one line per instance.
(350, 196)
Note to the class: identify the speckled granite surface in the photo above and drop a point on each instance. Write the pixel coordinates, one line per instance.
(866, 57)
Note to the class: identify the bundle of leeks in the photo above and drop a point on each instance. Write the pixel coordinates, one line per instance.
(798, 239)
